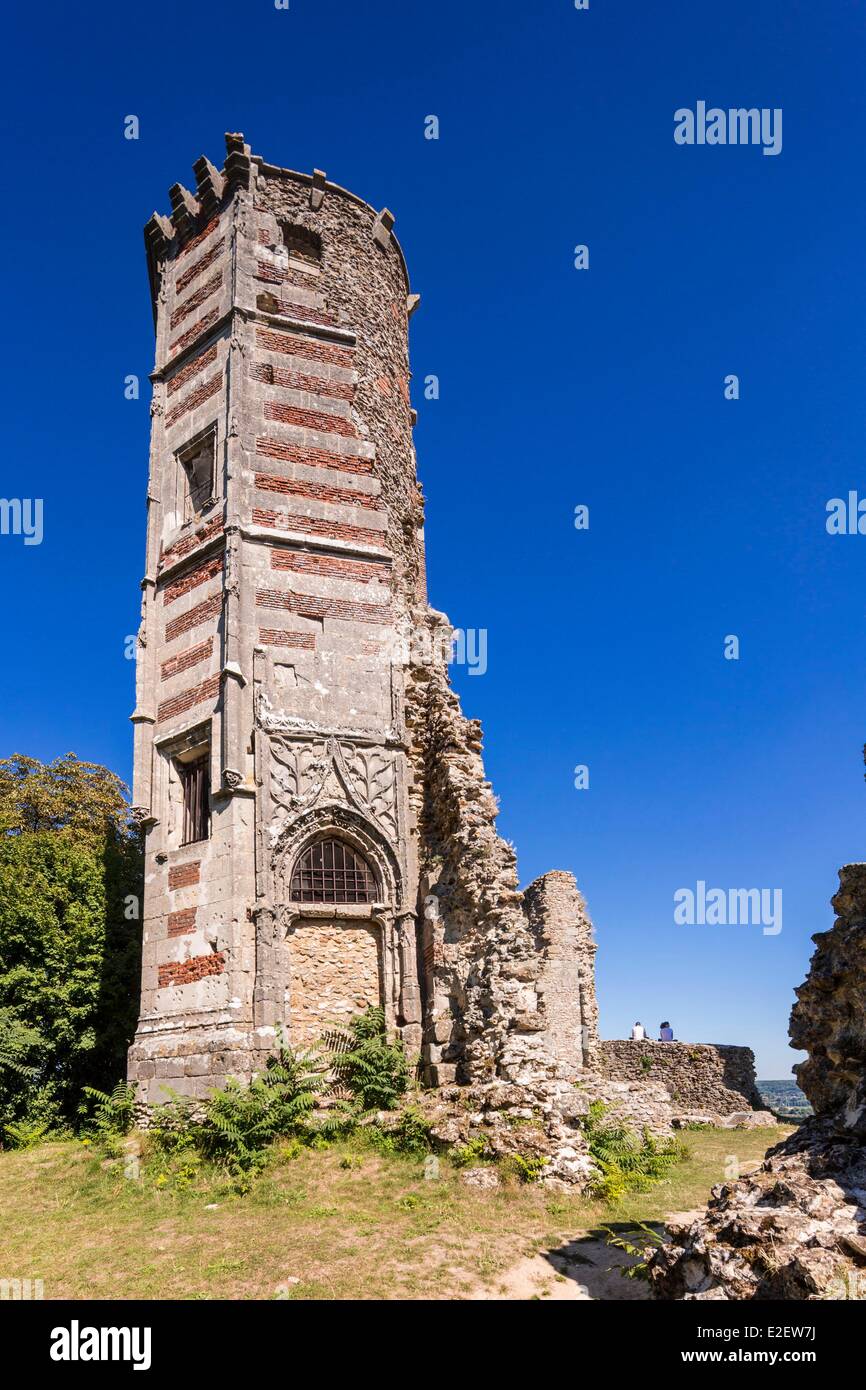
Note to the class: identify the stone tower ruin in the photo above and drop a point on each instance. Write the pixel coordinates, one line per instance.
(319, 832)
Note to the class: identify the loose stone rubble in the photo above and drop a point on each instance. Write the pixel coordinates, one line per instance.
(796, 1228)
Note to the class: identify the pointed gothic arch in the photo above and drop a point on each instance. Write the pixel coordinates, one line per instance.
(360, 835)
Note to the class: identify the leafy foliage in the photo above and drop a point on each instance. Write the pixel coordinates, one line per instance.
(524, 1167)
(474, 1151)
(374, 1070)
(26, 1134)
(641, 1243)
(238, 1122)
(628, 1162)
(19, 1046)
(412, 1132)
(114, 1112)
(70, 866)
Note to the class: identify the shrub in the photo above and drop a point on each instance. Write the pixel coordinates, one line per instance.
(627, 1162)
(114, 1113)
(239, 1122)
(70, 889)
(641, 1243)
(373, 1069)
(473, 1151)
(411, 1133)
(523, 1167)
(26, 1134)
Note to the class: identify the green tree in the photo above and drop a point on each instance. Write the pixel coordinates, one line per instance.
(70, 938)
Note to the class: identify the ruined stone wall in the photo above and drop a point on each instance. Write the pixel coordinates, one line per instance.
(509, 987)
(709, 1078)
(829, 1018)
(795, 1228)
(566, 967)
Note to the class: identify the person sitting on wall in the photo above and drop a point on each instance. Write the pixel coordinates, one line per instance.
(666, 1032)
(638, 1033)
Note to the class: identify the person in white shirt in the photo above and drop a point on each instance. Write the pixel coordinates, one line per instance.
(638, 1032)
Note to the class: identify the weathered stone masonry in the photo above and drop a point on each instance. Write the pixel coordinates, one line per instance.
(287, 640)
(710, 1078)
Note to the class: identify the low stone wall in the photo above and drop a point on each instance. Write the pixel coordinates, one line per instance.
(701, 1078)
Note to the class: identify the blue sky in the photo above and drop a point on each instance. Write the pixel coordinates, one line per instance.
(558, 387)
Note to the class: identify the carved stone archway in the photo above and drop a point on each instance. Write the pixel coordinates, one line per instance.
(335, 927)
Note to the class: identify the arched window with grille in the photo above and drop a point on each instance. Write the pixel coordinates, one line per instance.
(331, 871)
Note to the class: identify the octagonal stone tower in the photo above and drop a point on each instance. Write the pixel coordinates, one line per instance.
(319, 834)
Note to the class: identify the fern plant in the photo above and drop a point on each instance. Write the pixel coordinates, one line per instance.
(18, 1042)
(627, 1162)
(240, 1121)
(640, 1243)
(26, 1134)
(114, 1112)
(373, 1069)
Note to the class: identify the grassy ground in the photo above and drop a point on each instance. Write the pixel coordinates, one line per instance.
(341, 1223)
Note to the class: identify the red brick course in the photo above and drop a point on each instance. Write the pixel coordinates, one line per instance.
(298, 381)
(316, 526)
(365, 571)
(310, 419)
(187, 544)
(314, 458)
(209, 569)
(187, 699)
(323, 492)
(197, 240)
(196, 331)
(201, 613)
(183, 922)
(295, 309)
(300, 346)
(184, 660)
(184, 875)
(186, 972)
(276, 637)
(196, 269)
(190, 305)
(201, 394)
(192, 369)
(311, 606)
(271, 274)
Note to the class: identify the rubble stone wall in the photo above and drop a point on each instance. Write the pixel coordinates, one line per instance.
(709, 1078)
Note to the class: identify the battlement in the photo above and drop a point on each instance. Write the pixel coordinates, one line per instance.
(165, 237)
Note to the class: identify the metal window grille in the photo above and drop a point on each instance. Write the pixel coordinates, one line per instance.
(195, 785)
(332, 872)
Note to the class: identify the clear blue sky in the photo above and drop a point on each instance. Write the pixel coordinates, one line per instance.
(558, 387)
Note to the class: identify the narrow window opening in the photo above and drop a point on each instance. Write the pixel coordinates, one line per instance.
(302, 245)
(197, 475)
(195, 790)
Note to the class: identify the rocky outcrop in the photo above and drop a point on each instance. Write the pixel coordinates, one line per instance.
(540, 1122)
(796, 1228)
(829, 1019)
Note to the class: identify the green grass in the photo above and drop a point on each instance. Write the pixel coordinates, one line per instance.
(340, 1223)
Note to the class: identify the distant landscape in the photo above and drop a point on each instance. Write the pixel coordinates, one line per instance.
(785, 1098)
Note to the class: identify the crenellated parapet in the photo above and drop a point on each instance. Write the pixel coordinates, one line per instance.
(191, 213)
